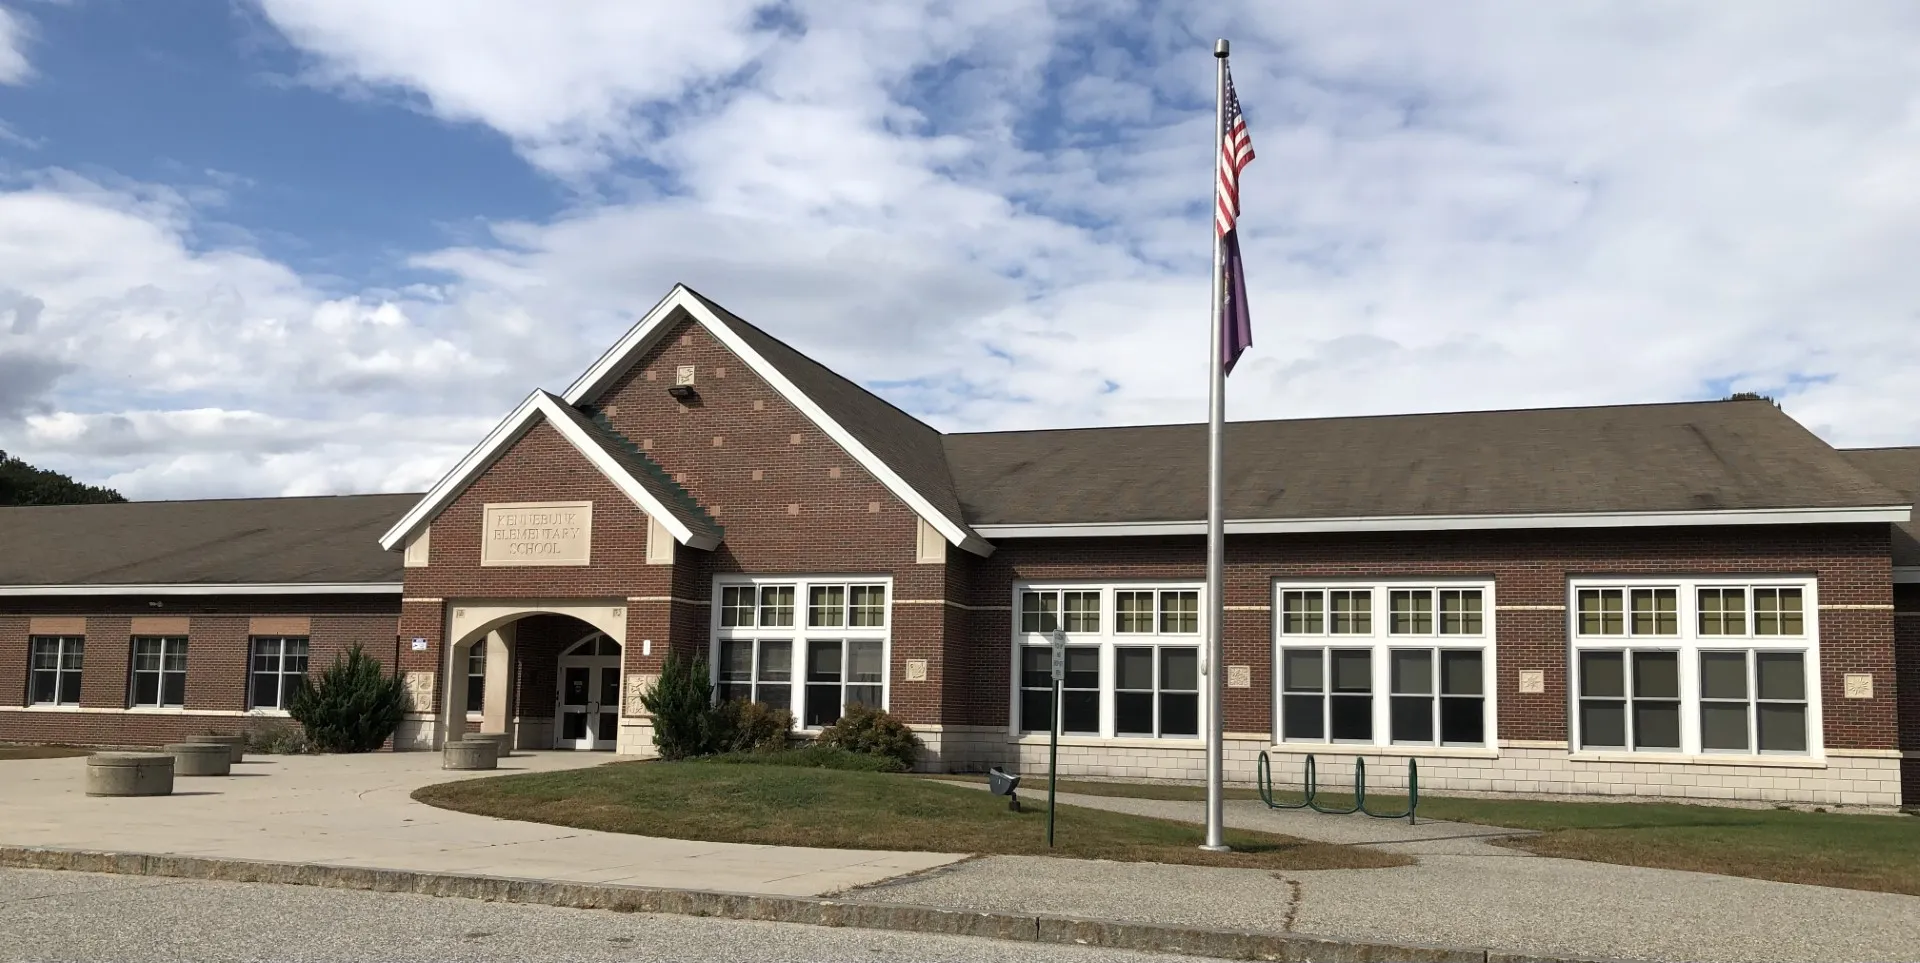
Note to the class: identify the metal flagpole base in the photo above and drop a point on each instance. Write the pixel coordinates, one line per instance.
(1217, 849)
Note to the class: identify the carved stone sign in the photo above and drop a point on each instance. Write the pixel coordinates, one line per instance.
(638, 684)
(1533, 681)
(916, 670)
(1859, 685)
(419, 686)
(1239, 677)
(537, 533)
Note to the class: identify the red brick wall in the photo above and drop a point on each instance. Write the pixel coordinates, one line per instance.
(1528, 568)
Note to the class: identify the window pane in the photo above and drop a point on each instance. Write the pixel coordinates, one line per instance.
(1180, 670)
(1777, 612)
(866, 695)
(1133, 669)
(868, 606)
(146, 655)
(1783, 727)
(1352, 670)
(1039, 611)
(1656, 612)
(46, 685)
(1723, 675)
(1300, 717)
(1412, 718)
(826, 606)
(1603, 674)
(1080, 712)
(146, 688)
(1180, 612)
(173, 689)
(290, 686)
(778, 696)
(1352, 718)
(736, 661)
(71, 651)
(1461, 674)
(865, 663)
(823, 704)
(293, 657)
(1082, 611)
(1603, 724)
(1083, 668)
(1600, 612)
(266, 690)
(1302, 613)
(1783, 675)
(1036, 668)
(1133, 611)
(1302, 670)
(476, 693)
(776, 661)
(1179, 714)
(823, 662)
(1723, 726)
(1460, 612)
(1411, 672)
(1792, 622)
(46, 653)
(1656, 725)
(1133, 713)
(1411, 612)
(69, 687)
(776, 606)
(1036, 710)
(1462, 721)
(736, 606)
(1656, 675)
(1352, 611)
(1723, 611)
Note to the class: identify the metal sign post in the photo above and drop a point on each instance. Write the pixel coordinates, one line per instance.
(1053, 748)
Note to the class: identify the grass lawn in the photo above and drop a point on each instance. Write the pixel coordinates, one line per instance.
(841, 809)
(1824, 849)
(41, 752)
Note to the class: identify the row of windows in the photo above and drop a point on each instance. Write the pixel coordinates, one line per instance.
(157, 671)
(1743, 701)
(838, 674)
(1410, 611)
(828, 606)
(1135, 611)
(1719, 611)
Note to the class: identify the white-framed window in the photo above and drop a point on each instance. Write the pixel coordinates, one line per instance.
(159, 673)
(1132, 661)
(477, 677)
(1695, 665)
(54, 679)
(279, 670)
(812, 645)
(1384, 663)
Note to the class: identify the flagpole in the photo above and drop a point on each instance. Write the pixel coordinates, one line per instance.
(1213, 669)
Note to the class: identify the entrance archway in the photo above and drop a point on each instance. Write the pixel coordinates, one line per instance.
(494, 623)
(587, 713)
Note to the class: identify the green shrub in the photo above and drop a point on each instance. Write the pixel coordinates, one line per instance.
(685, 721)
(809, 757)
(752, 727)
(354, 706)
(871, 731)
(276, 739)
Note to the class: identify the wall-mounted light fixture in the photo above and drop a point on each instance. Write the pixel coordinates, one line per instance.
(683, 392)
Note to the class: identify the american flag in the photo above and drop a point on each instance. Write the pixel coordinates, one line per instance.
(1236, 152)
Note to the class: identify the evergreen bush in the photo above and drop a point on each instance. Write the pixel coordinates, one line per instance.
(354, 706)
(685, 721)
(754, 727)
(874, 732)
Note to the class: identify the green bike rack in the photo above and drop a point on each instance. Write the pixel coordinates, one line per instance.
(1263, 772)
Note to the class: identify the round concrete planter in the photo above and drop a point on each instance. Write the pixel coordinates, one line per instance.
(201, 759)
(236, 743)
(501, 747)
(469, 755)
(129, 774)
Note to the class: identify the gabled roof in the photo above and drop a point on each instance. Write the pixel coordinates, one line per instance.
(1898, 469)
(903, 453)
(636, 475)
(1718, 462)
(231, 546)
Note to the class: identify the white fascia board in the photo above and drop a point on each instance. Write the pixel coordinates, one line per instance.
(538, 405)
(1451, 523)
(615, 362)
(232, 588)
(1906, 575)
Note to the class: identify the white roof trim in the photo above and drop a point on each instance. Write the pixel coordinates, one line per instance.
(1448, 523)
(1906, 575)
(539, 404)
(211, 588)
(641, 336)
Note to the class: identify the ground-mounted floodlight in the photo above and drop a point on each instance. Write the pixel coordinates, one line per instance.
(1003, 783)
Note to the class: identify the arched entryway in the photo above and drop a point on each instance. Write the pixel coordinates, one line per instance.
(523, 640)
(587, 713)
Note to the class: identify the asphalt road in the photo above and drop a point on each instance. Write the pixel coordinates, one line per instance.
(84, 916)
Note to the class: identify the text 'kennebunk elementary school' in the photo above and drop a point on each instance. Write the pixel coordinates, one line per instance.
(1698, 600)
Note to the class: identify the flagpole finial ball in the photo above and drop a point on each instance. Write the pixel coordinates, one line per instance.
(1220, 48)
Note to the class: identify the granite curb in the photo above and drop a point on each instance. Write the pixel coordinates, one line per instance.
(813, 911)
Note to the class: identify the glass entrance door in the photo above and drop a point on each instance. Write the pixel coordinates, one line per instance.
(589, 707)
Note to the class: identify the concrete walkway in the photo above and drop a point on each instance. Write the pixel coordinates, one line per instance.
(355, 811)
(1464, 891)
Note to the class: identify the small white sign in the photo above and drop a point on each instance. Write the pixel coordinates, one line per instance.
(1059, 655)
(419, 645)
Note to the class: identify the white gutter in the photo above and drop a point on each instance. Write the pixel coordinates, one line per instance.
(1450, 523)
(210, 588)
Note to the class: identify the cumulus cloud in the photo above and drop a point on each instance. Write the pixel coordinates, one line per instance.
(14, 68)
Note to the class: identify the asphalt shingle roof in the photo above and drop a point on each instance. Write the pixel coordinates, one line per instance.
(1898, 469)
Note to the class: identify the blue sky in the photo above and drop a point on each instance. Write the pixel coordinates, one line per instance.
(263, 246)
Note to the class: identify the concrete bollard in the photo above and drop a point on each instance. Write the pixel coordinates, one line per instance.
(201, 759)
(129, 774)
(236, 743)
(469, 755)
(502, 748)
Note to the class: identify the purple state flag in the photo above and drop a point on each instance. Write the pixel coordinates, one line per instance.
(1236, 327)
(1236, 152)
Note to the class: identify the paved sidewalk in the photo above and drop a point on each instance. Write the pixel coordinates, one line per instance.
(355, 811)
(1464, 891)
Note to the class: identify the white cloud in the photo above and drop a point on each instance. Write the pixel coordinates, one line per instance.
(998, 210)
(14, 68)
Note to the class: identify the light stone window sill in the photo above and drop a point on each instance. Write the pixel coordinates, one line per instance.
(1705, 759)
(1100, 742)
(51, 707)
(1392, 752)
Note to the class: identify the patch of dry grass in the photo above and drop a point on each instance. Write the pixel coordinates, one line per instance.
(42, 752)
